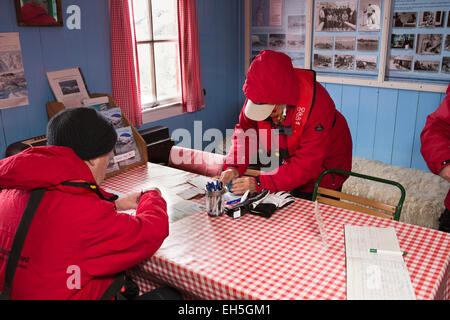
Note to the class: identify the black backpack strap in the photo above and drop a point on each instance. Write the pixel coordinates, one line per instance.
(19, 240)
(91, 186)
(113, 291)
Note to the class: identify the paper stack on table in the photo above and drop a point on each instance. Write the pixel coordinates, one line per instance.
(375, 276)
(184, 208)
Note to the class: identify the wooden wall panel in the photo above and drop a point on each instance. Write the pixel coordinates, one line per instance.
(386, 123)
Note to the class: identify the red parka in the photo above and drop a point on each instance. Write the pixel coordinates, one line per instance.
(435, 140)
(35, 13)
(325, 141)
(73, 229)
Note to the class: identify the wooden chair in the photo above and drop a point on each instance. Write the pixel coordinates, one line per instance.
(359, 204)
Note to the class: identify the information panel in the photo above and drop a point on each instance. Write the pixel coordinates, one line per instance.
(279, 25)
(346, 37)
(419, 47)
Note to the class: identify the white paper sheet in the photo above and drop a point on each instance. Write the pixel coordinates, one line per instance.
(200, 182)
(375, 276)
(189, 193)
(184, 208)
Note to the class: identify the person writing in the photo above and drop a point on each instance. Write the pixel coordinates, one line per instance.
(313, 137)
(77, 242)
(435, 149)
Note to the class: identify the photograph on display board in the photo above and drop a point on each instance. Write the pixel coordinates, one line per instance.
(366, 63)
(404, 20)
(447, 43)
(402, 41)
(367, 43)
(445, 64)
(429, 43)
(295, 41)
(431, 19)
(369, 15)
(344, 61)
(323, 42)
(400, 62)
(260, 13)
(322, 60)
(260, 41)
(344, 43)
(335, 16)
(426, 65)
(277, 41)
(296, 23)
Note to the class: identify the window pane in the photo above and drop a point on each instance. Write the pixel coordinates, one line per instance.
(145, 72)
(142, 20)
(164, 15)
(167, 70)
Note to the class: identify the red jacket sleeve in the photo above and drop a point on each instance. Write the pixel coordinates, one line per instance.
(435, 137)
(114, 242)
(244, 144)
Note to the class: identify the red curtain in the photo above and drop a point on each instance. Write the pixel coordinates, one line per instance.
(125, 71)
(191, 78)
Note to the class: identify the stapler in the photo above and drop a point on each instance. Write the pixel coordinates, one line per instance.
(243, 207)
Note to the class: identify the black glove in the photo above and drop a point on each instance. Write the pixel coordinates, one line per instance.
(268, 205)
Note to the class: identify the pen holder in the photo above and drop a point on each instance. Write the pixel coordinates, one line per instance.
(215, 203)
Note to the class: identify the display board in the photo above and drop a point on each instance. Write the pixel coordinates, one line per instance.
(401, 44)
(419, 46)
(347, 37)
(279, 25)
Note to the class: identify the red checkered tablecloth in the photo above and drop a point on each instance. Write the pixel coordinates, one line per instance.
(278, 258)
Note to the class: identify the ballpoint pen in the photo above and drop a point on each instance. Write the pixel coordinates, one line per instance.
(233, 201)
(391, 252)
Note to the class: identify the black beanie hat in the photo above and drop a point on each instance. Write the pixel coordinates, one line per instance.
(84, 130)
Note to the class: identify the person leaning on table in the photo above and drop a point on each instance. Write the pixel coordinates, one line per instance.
(75, 227)
(435, 149)
(314, 136)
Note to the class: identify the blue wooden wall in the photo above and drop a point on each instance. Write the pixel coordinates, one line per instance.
(51, 48)
(386, 123)
(45, 49)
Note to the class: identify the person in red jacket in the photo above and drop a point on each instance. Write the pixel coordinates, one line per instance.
(313, 135)
(435, 149)
(36, 11)
(77, 242)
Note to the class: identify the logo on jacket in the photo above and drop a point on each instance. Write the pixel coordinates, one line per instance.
(319, 127)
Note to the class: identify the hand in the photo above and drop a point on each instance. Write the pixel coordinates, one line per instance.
(241, 185)
(228, 175)
(445, 173)
(131, 200)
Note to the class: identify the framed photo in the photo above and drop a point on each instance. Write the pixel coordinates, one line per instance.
(429, 43)
(336, 16)
(39, 13)
(431, 19)
(68, 86)
(404, 20)
(369, 15)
